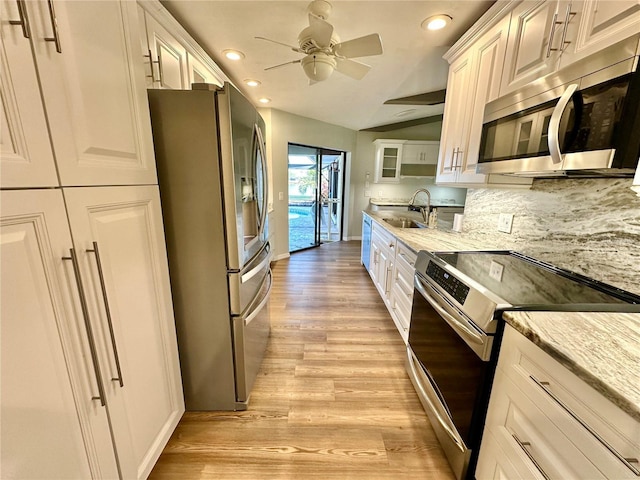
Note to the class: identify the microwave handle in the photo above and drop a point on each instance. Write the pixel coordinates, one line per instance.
(554, 123)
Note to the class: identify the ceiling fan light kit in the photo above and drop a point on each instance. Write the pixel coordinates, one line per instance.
(323, 51)
(436, 22)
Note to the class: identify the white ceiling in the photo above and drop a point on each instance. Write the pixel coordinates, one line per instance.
(411, 63)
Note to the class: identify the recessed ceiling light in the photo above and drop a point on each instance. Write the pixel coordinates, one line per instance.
(233, 54)
(264, 100)
(436, 22)
(251, 82)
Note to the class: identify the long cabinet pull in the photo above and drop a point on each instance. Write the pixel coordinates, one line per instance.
(87, 324)
(103, 287)
(151, 62)
(625, 461)
(567, 19)
(54, 28)
(24, 20)
(552, 33)
(523, 446)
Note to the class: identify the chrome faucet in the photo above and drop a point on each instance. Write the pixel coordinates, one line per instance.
(423, 211)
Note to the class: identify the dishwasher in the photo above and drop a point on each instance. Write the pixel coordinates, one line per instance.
(366, 241)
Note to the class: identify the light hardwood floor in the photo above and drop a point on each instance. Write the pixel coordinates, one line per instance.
(332, 400)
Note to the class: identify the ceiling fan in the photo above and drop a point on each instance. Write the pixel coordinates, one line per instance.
(323, 50)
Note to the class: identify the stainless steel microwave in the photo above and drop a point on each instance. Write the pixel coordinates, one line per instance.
(583, 120)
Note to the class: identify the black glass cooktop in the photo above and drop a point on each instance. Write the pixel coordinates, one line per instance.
(524, 282)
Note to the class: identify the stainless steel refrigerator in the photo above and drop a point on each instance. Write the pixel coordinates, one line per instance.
(210, 154)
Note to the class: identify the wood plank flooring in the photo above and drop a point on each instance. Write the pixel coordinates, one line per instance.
(332, 400)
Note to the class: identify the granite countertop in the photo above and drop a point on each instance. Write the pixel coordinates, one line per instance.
(603, 349)
(434, 240)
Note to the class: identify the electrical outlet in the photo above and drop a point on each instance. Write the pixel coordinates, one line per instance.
(505, 222)
(280, 195)
(495, 270)
(367, 192)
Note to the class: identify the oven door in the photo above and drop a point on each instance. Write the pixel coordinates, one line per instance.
(448, 363)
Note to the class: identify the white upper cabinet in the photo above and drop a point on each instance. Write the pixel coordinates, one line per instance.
(532, 53)
(598, 24)
(93, 91)
(420, 152)
(26, 158)
(171, 58)
(168, 57)
(388, 160)
(474, 80)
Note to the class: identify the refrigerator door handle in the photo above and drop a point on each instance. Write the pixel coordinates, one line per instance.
(254, 271)
(254, 313)
(265, 186)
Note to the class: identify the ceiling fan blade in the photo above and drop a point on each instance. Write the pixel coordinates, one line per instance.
(321, 31)
(351, 68)
(282, 64)
(295, 49)
(360, 47)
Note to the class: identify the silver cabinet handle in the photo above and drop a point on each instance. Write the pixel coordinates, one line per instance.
(151, 62)
(54, 28)
(567, 19)
(24, 20)
(523, 446)
(625, 461)
(108, 312)
(553, 138)
(552, 34)
(87, 324)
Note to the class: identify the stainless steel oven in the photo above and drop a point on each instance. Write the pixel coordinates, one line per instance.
(456, 329)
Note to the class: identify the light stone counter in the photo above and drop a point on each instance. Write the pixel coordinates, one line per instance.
(603, 349)
(434, 240)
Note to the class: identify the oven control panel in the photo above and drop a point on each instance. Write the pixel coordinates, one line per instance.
(448, 282)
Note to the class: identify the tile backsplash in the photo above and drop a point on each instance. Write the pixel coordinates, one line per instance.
(589, 226)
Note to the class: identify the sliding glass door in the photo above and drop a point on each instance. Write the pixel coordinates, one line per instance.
(315, 196)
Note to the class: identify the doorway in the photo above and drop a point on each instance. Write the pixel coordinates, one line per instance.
(316, 186)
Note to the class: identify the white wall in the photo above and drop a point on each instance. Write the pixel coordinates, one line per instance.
(284, 128)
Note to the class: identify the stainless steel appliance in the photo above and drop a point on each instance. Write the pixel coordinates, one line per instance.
(366, 241)
(211, 161)
(581, 121)
(456, 330)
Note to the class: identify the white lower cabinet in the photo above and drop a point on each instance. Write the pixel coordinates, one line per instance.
(90, 377)
(544, 422)
(392, 269)
(402, 289)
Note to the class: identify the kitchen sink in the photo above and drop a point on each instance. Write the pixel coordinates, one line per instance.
(403, 223)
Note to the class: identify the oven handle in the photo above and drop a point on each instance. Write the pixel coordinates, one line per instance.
(434, 403)
(456, 324)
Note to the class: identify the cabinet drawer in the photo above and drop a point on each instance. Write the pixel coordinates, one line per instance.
(406, 257)
(522, 421)
(499, 459)
(607, 435)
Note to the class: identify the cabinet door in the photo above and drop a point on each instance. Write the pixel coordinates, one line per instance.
(26, 158)
(51, 425)
(168, 56)
(487, 72)
(455, 121)
(93, 90)
(199, 73)
(388, 157)
(137, 335)
(598, 24)
(528, 56)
